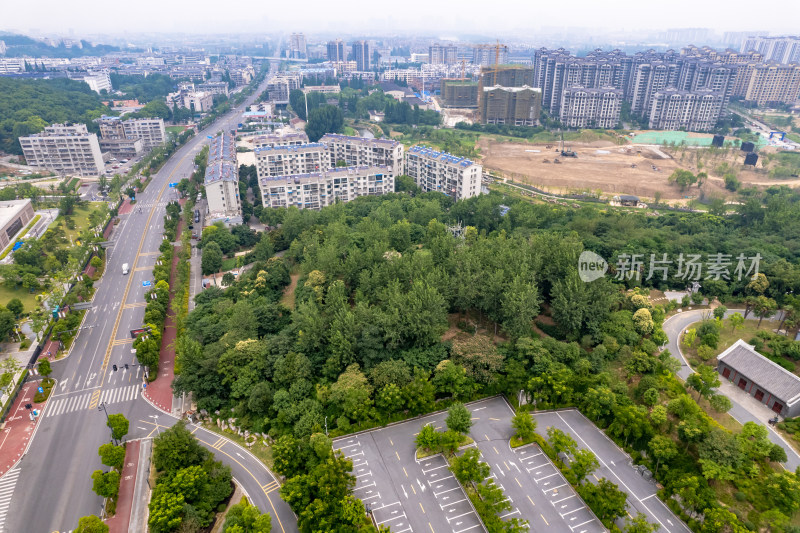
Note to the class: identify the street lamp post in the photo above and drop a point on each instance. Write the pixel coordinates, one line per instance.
(102, 407)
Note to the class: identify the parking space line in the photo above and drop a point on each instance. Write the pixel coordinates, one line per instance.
(545, 477)
(572, 511)
(448, 490)
(582, 523)
(459, 516)
(554, 488)
(467, 528)
(432, 469)
(452, 503)
(563, 499)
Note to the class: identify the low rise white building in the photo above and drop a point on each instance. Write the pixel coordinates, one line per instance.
(361, 151)
(222, 182)
(320, 189)
(292, 159)
(64, 149)
(457, 177)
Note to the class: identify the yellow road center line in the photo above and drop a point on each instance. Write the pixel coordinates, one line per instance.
(543, 518)
(529, 499)
(421, 507)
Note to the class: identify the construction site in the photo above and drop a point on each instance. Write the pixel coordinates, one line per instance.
(611, 169)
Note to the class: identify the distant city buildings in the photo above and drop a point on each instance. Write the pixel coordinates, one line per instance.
(336, 51)
(778, 49)
(487, 55)
(222, 182)
(457, 177)
(362, 55)
(187, 97)
(297, 46)
(65, 149)
(442, 54)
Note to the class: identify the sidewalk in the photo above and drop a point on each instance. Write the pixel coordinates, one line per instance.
(126, 207)
(18, 429)
(119, 522)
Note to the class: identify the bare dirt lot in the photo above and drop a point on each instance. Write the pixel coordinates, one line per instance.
(605, 166)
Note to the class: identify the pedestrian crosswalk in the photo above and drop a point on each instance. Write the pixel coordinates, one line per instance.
(68, 404)
(7, 484)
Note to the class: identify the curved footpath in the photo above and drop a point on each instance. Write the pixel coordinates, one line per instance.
(673, 327)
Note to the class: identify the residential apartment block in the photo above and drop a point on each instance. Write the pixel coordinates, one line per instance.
(316, 190)
(288, 139)
(487, 55)
(64, 149)
(297, 46)
(222, 182)
(362, 55)
(363, 152)
(150, 131)
(292, 159)
(456, 177)
(336, 51)
(590, 108)
(674, 109)
(516, 106)
(773, 82)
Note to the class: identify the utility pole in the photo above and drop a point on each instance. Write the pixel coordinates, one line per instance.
(102, 407)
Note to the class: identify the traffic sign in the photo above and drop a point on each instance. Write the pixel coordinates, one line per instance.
(146, 283)
(144, 385)
(41, 390)
(173, 185)
(35, 412)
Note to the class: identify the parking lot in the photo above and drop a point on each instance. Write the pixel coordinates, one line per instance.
(535, 488)
(615, 465)
(404, 494)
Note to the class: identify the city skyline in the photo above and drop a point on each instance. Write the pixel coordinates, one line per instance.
(50, 16)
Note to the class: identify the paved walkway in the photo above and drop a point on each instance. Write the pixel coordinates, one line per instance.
(159, 392)
(119, 522)
(18, 429)
(126, 207)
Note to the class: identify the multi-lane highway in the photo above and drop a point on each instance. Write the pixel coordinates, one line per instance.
(52, 485)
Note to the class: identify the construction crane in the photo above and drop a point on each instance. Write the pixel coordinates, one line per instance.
(463, 69)
(496, 62)
(566, 153)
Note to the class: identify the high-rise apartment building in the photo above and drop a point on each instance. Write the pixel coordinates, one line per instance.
(292, 159)
(457, 92)
(316, 190)
(336, 51)
(288, 139)
(487, 55)
(442, 54)
(297, 46)
(778, 49)
(773, 83)
(363, 152)
(590, 108)
(64, 149)
(674, 109)
(222, 182)
(362, 55)
(150, 131)
(516, 106)
(456, 177)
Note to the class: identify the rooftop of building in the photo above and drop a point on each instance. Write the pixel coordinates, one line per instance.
(450, 159)
(512, 89)
(221, 171)
(335, 137)
(309, 147)
(10, 209)
(332, 172)
(778, 381)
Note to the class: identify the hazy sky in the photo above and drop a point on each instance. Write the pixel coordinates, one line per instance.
(487, 17)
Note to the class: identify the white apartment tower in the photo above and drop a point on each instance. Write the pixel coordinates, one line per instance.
(361, 152)
(457, 177)
(590, 108)
(64, 149)
(673, 109)
(274, 161)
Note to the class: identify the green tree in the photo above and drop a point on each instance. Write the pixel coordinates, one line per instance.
(428, 438)
(468, 467)
(91, 524)
(639, 524)
(704, 381)
(520, 305)
(763, 308)
(561, 442)
(459, 418)
(113, 456)
(720, 403)
(719, 312)
(15, 306)
(605, 499)
(211, 261)
(176, 448)
(389, 399)
(663, 448)
(736, 320)
(119, 426)
(44, 367)
(524, 425)
(719, 520)
(105, 484)
(247, 518)
(583, 464)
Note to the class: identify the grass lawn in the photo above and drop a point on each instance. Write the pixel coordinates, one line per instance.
(228, 264)
(175, 129)
(350, 131)
(80, 216)
(28, 299)
(726, 337)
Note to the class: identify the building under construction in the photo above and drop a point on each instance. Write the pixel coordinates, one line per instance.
(515, 106)
(459, 92)
(506, 76)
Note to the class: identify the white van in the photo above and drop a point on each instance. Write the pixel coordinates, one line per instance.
(124, 269)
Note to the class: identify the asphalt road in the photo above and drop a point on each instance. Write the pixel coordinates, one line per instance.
(54, 487)
(673, 327)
